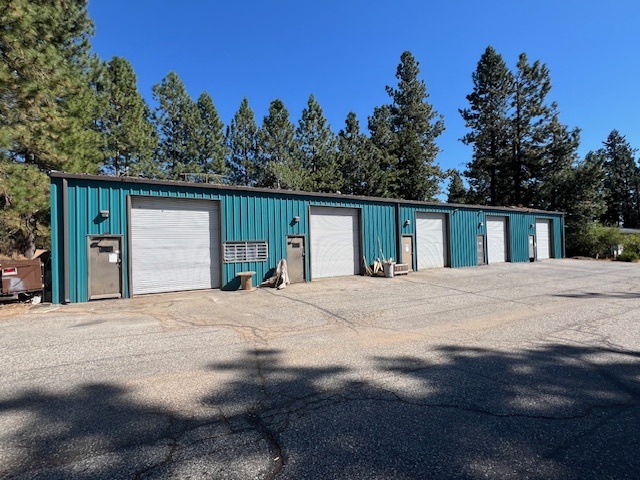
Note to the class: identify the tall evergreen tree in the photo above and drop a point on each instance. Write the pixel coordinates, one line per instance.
(521, 150)
(457, 193)
(557, 170)
(621, 182)
(529, 124)
(317, 149)
(213, 149)
(47, 108)
(360, 162)
(130, 138)
(488, 119)
(583, 195)
(279, 163)
(178, 121)
(383, 139)
(414, 127)
(242, 144)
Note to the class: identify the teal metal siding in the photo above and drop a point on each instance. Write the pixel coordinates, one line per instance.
(259, 215)
(57, 257)
(467, 222)
(463, 226)
(244, 216)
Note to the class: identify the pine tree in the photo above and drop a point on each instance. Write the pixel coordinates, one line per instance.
(521, 150)
(130, 138)
(47, 110)
(621, 182)
(488, 119)
(213, 149)
(457, 193)
(529, 124)
(279, 162)
(382, 138)
(560, 156)
(242, 145)
(360, 162)
(414, 127)
(317, 149)
(177, 120)
(584, 198)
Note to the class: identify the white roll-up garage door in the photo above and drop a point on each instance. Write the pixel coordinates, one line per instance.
(175, 244)
(497, 239)
(335, 242)
(543, 239)
(431, 240)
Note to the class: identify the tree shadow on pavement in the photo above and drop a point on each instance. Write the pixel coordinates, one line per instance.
(613, 295)
(552, 411)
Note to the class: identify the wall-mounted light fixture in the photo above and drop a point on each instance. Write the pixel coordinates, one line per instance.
(296, 219)
(407, 222)
(104, 213)
(531, 225)
(480, 225)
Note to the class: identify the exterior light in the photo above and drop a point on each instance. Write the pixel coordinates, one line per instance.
(104, 213)
(296, 219)
(407, 222)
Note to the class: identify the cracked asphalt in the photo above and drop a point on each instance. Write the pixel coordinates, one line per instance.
(510, 371)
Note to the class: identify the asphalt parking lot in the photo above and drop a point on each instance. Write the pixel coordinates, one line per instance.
(507, 371)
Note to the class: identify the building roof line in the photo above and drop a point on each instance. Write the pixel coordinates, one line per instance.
(235, 188)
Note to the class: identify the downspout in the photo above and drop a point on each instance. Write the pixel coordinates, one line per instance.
(65, 239)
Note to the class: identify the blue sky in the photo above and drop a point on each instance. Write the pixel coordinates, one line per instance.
(346, 52)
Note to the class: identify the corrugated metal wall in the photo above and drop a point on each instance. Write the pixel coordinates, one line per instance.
(248, 215)
(245, 216)
(466, 223)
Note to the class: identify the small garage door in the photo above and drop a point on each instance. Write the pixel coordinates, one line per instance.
(335, 242)
(543, 239)
(175, 244)
(431, 240)
(497, 239)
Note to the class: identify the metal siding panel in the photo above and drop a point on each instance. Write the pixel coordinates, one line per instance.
(175, 244)
(519, 230)
(558, 237)
(268, 216)
(464, 228)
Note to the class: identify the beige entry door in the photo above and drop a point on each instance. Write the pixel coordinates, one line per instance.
(407, 250)
(295, 259)
(104, 262)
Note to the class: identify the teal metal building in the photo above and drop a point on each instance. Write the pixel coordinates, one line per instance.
(123, 236)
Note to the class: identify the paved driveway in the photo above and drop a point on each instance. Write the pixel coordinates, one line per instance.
(508, 371)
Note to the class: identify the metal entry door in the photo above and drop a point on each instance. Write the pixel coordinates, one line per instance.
(482, 257)
(532, 248)
(407, 250)
(295, 259)
(105, 274)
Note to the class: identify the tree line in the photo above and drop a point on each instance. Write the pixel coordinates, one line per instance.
(63, 108)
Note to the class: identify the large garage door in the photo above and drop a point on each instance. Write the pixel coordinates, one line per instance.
(335, 242)
(175, 244)
(431, 240)
(497, 239)
(543, 239)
